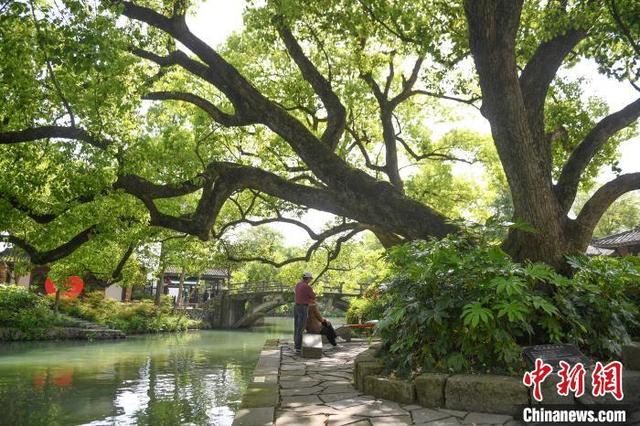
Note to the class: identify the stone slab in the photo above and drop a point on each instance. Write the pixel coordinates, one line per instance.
(299, 400)
(314, 390)
(391, 420)
(486, 393)
(398, 390)
(338, 389)
(449, 421)
(260, 395)
(254, 416)
(337, 396)
(485, 418)
(295, 419)
(430, 389)
(425, 415)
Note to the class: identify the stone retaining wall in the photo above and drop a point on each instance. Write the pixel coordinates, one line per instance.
(263, 394)
(480, 392)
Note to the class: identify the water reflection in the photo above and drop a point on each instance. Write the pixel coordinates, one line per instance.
(195, 378)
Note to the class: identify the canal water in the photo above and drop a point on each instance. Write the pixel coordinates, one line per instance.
(168, 379)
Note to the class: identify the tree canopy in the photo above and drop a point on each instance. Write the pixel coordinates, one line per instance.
(117, 116)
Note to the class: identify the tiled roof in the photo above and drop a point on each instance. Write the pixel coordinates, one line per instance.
(215, 273)
(595, 251)
(623, 239)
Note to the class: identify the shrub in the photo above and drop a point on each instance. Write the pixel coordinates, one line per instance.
(132, 317)
(365, 309)
(25, 311)
(461, 303)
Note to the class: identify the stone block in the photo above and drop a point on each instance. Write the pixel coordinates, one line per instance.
(430, 389)
(254, 416)
(364, 369)
(630, 388)
(366, 355)
(398, 390)
(486, 393)
(344, 333)
(312, 346)
(631, 356)
(550, 392)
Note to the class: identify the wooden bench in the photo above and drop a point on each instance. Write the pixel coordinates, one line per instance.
(312, 346)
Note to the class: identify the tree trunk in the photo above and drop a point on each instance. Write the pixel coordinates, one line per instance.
(160, 285)
(180, 289)
(56, 306)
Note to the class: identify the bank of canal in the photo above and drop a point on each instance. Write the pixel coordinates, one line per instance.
(194, 377)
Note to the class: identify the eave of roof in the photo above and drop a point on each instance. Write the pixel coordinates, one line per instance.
(622, 239)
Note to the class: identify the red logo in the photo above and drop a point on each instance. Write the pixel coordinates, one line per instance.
(605, 379)
(536, 377)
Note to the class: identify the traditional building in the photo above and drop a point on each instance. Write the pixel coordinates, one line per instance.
(621, 244)
(214, 280)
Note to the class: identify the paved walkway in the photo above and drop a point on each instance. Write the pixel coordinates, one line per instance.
(319, 392)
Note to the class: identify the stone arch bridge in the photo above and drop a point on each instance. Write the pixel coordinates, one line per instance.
(243, 305)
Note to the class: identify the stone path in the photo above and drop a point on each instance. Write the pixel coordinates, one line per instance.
(319, 392)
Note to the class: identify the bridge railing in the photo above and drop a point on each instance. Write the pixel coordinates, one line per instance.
(278, 287)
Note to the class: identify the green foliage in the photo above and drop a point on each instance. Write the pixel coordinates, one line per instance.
(26, 311)
(462, 304)
(132, 317)
(605, 294)
(365, 309)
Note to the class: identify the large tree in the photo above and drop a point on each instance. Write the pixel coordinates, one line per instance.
(315, 106)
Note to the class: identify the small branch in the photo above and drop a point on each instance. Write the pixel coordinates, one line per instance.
(228, 120)
(470, 101)
(432, 154)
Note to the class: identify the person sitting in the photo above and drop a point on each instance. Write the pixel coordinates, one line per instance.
(317, 324)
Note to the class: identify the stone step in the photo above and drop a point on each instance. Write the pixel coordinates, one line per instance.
(312, 346)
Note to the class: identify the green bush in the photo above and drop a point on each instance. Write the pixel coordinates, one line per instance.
(26, 311)
(462, 304)
(132, 317)
(365, 309)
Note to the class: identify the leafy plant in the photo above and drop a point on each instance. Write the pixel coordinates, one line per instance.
(462, 304)
(133, 317)
(28, 312)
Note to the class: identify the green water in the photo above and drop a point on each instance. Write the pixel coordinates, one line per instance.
(194, 378)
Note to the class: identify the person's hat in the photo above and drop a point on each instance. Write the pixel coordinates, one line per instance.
(307, 275)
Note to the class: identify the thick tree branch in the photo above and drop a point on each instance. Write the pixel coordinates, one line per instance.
(47, 132)
(542, 67)
(336, 113)
(116, 275)
(605, 196)
(43, 257)
(44, 218)
(569, 179)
